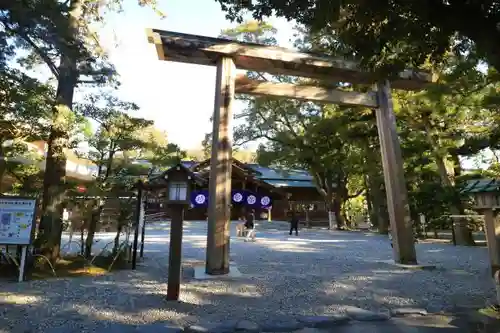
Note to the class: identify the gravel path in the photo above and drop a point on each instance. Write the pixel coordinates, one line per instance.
(318, 272)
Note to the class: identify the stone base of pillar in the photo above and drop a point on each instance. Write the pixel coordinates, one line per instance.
(201, 274)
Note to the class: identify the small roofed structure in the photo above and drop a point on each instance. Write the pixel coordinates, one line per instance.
(485, 192)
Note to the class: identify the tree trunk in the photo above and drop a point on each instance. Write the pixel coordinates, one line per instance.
(378, 203)
(462, 235)
(369, 206)
(3, 168)
(337, 211)
(375, 185)
(96, 214)
(116, 245)
(82, 240)
(328, 197)
(120, 224)
(457, 166)
(348, 220)
(461, 232)
(54, 181)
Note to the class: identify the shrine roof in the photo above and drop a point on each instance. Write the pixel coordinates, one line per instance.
(481, 185)
(269, 173)
(275, 177)
(290, 183)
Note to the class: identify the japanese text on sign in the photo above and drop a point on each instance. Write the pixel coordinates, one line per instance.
(16, 220)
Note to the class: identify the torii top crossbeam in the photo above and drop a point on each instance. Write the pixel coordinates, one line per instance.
(202, 50)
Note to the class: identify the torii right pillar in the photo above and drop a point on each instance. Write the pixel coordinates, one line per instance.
(395, 187)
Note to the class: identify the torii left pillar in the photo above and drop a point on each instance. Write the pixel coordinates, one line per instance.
(395, 187)
(219, 199)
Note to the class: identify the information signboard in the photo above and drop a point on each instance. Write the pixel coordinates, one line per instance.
(17, 220)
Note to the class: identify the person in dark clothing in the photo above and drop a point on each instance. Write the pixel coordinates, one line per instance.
(249, 223)
(294, 224)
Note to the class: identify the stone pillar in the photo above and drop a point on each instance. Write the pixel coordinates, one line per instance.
(219, 205)
(392, 163)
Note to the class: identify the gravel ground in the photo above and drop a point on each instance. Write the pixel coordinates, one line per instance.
(318, 272)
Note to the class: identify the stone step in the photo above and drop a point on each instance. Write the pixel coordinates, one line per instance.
(349, 320)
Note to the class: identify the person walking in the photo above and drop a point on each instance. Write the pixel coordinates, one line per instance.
(294, 224)
(250, 226)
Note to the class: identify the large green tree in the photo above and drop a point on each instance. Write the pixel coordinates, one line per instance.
(320, 139)
(25, 107)
(299, 134)
(117, 134)
(63, 36)
(24, 116)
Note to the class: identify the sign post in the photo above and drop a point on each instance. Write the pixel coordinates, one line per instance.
(17, 225)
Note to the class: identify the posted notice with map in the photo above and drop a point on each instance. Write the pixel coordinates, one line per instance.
(16, 220)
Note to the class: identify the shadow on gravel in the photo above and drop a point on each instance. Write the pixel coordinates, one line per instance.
(318, 275)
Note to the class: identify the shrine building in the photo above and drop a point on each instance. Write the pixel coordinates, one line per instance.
(264, 189)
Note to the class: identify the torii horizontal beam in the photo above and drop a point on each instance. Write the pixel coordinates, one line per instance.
(202, 50)
(304, 92)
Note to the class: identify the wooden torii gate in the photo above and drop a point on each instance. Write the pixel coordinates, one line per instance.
(227, 55)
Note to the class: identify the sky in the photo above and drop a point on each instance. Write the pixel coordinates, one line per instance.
(178, 97)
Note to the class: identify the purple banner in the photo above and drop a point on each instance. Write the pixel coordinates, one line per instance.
(199, 198)
(238, 197)
(252, 199)
(265, 201)
(247, 198)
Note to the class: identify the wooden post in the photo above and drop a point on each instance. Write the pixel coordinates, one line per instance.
(138, 209)
(219, 209)
(492, 228)
(22, 263)
(175, 253)
(392, 162)
(143, 234)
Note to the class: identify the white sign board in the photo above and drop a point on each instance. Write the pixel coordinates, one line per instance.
(17, 220)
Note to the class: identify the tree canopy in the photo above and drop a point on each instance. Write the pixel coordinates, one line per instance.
(391, 34)
(438, 127)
